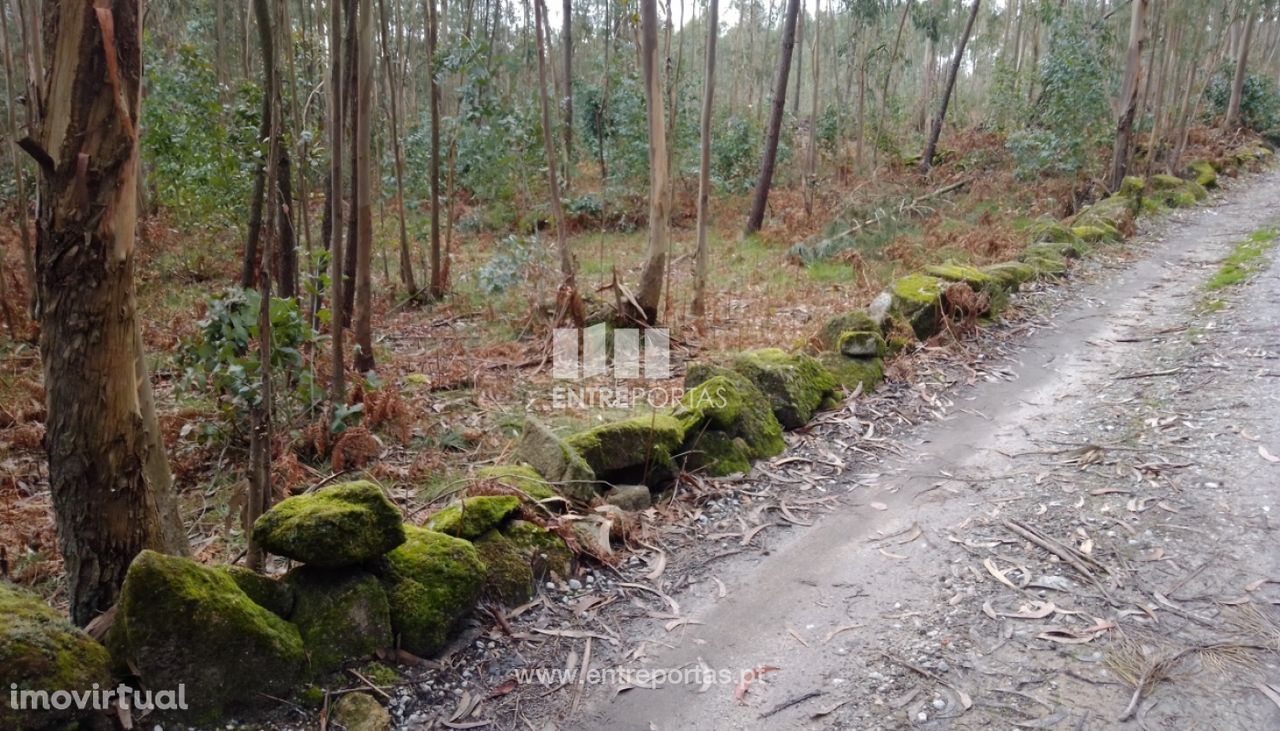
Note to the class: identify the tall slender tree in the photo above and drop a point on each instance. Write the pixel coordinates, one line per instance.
(337, 381)
(1128, 95)
(651, 276)
(363, 189)
(704, 166)
(549, 145)
(767, 161)
(932, 145)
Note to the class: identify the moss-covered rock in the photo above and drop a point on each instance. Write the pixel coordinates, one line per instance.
(1097, 232)
(865, 344)
(717, 454)
(977, 279)
(1205, 175)
(472, 517)
(360, 712)
(178, 622)
(342, 615)
(271, 594)
(1115, 212)
(796, 385)
(555, 460)
(629, 497)
(521, 477)
(853, 321)
(545, 551)
(636, 450)
(1132, 187)
(1046, 262)
(853, 372)
(343, 525)
(731, 403)
(917, 298)
(1050, 230)
(508, 577)
(1164, 181)
(40, 650)
(1061, 250)
(1010, 274)
(431, 581)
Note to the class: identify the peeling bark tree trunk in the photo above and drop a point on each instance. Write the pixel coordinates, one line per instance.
(107, 470)
(1237, 81)
(1128, 96)
(704, 167)
(549, 144)
(936, 130)
(761, 199)
(650, 292)
(568, 92)
(438, 283)
(337, 383)
(406, 262)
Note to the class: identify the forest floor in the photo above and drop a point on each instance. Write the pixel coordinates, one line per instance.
(893, 569)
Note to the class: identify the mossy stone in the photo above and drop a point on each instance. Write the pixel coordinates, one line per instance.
(342, 615)
(632, 451)
(1011, 274)
(1205, 175)
(977, 279)
(41, 650)
(853, 321)
(1045, 262)
(521, 477)
(917, 298)
(555, 460)
(545, 551)
(360, 712)
(731, 403)
(717, 454)
(1164, 181)
(796, 385)
(1098, 232)
(271, 594)
(432, 581)
(851, 373)
(1132, 187)
(472, 517)
(1062, 250)
(508, 576)
(180, 622)
(1050, 230)
(343, 525)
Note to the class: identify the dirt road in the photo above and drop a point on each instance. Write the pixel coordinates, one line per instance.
(1133, 434)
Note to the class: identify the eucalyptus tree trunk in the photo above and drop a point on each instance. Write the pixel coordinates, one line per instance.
(337, 381)
(884, 88)
(112, 492)
(567, 41)
(761, 199)
(1128, 95)
(650, 292)
(704, 166)
(438, 284)
(1237, 82)
(406, 262)
(936, 130)
(811, 160)
(549, 145)
(363, 198)
(20, 185)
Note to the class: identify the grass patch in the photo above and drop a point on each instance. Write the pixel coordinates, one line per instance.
(1244, 260)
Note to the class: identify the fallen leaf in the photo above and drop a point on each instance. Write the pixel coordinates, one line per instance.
(838, 630)
(879, 506)
(1262, 451)
(740, 691)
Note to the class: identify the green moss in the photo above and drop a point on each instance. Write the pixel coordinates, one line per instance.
(852, 372)
(861, 344)
(717, 454)
(1205, 175)
(1050, 230)
(359, 712)
(952, 272)
(545, 551)
(1096, 233)
(273, 595)
(853, 321)
(917, 298)
(343, 525)
(311, 697)
(729, 402)
(796, 385)
(1066, 250)
(508, 576)
(180, 622)
(1132, 187)
(380, 674)
(522, 477)
(1246, 259)
(431, 581)
(342, 615)
(1011, 274)
(633, 451)
(40, 650)
(1163, 181)
(1045, 264)
(474, 516)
